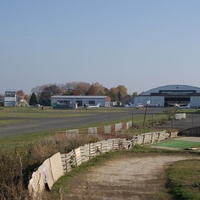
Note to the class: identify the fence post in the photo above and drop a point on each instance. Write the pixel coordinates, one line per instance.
(143, 139)
(159, 136)
(152, 138)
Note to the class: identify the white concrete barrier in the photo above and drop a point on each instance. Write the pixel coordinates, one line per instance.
(118, 127)
(92, 130)
(108, 129)
(73, 131)
(129, 124)
(179, 116)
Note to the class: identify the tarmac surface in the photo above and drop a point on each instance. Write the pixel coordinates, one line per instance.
(191, 121)
(92, 117)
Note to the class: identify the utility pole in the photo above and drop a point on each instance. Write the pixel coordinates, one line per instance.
(145, 113)
(132, 120)
(152, 118)
(192, 121)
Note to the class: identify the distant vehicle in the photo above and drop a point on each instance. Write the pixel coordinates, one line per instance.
(129, 105)
(139, 106)
(88, 106)
(152, 105)
(23, 103)
(182, 106)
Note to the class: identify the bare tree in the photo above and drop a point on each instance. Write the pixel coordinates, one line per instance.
(38, 90)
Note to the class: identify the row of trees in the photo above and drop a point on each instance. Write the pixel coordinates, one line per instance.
(41, 94)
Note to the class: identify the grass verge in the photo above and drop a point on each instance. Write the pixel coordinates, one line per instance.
(184, 179)
(23, 115)
(178, 144)
(11, 143)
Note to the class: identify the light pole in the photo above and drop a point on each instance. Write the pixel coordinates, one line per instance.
(145, 114)
(147, 103)
(192, 121)
(132, 120)
(172, 118)
(152, 118)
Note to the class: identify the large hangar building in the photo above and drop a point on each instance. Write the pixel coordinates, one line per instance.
(169, 95)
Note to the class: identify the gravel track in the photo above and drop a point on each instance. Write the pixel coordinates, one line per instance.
(130, 178)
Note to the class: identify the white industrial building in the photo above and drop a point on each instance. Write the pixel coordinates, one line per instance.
(10, 98)
(169, 95)
(59, 101)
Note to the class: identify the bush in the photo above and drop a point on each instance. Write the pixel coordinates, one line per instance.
(11, 177)
(16, 168)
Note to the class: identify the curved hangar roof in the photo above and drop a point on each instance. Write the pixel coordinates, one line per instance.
(173, 89)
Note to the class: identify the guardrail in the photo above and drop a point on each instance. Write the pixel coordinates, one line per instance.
(54, 167)
(108, 129)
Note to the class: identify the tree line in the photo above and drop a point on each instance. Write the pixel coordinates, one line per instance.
(41, 94)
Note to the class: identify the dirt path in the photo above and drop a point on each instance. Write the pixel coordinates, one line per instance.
(130, 178)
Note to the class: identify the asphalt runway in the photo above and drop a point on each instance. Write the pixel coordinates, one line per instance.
(42, 124)
(92, 117)
(191, 121)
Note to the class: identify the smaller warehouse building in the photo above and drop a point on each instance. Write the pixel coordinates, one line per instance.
(170, 95)
(59, 101)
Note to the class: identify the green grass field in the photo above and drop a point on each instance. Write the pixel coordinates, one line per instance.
(19, 115)
(178, 144)
(183, 179)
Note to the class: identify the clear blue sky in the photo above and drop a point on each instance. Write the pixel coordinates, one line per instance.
(141, 44)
